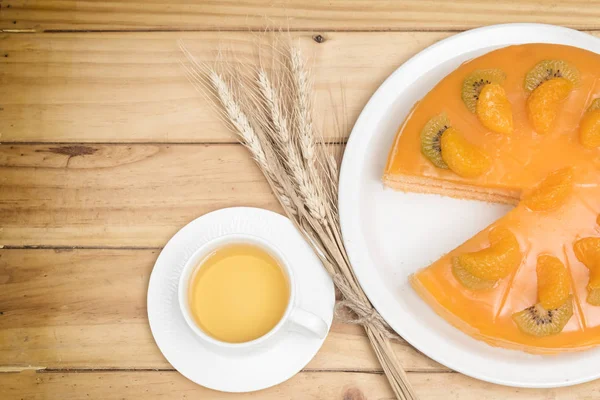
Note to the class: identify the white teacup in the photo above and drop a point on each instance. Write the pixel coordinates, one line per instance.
(294, 317)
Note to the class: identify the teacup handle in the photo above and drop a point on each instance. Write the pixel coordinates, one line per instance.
(308, 321)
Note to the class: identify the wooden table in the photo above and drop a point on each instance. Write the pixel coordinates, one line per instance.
(107, 151)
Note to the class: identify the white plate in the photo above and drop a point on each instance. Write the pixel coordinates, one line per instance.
(240, 371)
(390, 235)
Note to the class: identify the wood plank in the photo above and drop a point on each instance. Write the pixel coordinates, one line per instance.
(152, 385)
(295, 14)
(86, 309)
(119, 195)
(130, 87)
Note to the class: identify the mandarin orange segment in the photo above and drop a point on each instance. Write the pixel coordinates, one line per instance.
(494, 110)
(476, 81)
(469, 280)
(462, 157)
(544, 103)
(551, 192)
(499, 234)
(587, 251)
(554, 282)
(589, 129)
(494, 262)
(594, 282)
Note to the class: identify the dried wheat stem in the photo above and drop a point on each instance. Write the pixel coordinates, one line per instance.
(290, 154)
(391, 366)
(238, 118)
(303, 106)
(249, 137)
(303, 120)
(332, 166)
(279, 133)
(319, 163)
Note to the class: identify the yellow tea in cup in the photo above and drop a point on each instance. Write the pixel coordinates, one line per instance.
(238, 293)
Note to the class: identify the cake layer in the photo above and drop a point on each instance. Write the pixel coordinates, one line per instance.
(459, 190)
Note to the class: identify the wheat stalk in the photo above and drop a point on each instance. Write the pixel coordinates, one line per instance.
(304, 121)
(247, 133)
(208, 81)
(275, 123)
(280, 134)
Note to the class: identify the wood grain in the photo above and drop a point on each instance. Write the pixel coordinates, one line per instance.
(119, 195)
(86, 309)
(295, 14)
(130, 87)
(304, 386)
(125, 165)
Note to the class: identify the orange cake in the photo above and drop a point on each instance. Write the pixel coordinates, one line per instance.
(518, 125)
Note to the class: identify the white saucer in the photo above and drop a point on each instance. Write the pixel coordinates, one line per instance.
(249, 371)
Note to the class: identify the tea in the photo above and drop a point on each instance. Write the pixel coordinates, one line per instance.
(239, 293)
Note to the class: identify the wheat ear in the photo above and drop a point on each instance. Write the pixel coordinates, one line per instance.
(280, 134)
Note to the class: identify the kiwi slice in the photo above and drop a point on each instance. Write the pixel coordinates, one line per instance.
(469, 280)
(548, 69)
(431, 135)
(538, 321)
(594, 106)
(475, 81)
(594, 297)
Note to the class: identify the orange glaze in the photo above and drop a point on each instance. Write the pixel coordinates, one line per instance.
(487, 314)
(520, 160)
(524, 149)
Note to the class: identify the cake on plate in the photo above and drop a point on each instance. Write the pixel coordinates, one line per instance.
(518, 125)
